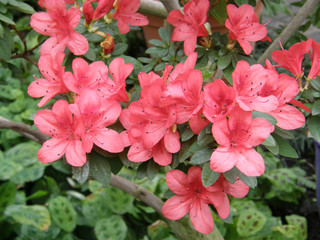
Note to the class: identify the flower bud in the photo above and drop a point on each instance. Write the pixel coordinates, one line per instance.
(108, 44)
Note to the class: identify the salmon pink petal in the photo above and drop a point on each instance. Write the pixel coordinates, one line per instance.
(123, 26)
(77, 43)
(75, 155)
(223, 159)
(176, 207)
(223, 208)
(108, 140)
(259, 130)
(171, 141)
(80, 68)
(62, 111)
(197, 123)
(251, 164)
(138, 153)
(153, 133)
(52, 46)
(125, 119)
(194, 175)
(238, 189)
(220, 132)
(71, 82)
(52, 150)
(74, 16)
(288, 117)
(175, 17)
(125, 138)
(41, 23)
(177, 181)
(104, 6)
(201, 217)
(160, 155)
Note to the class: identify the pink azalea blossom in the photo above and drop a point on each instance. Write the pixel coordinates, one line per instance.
(190, 25)
(315, 61)
(285, 88)
(244, 26)
(126, 14)
(115, 87)
(59, 124)
(192, 197)
(219, 100)
(59, 24)
(85, 76)
(236, 138)
(292, 59)
(248, 82)
(52, 83)
(93, 116)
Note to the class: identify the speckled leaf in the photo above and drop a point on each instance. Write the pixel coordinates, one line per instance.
(35, 215)
(8, 192)
(63, 213)
(118, 201)
(113, 228)
(250, 222)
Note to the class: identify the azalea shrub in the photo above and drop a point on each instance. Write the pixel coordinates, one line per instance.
(196, 115)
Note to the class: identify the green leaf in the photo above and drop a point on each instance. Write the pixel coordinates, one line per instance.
(81, 174)
(250, 222)
(6, 44)
(314, 127)
(208, 176)
(156, 42)
(227, 72)
(269, 141)
(1, 31)
(201, 156)
(249, 181)
(205, 137)
(300, 222)
(95, 208)
(8, 192)
(186, 134)
(119, 48)
(37, 194)
(111, 228)
(224, 61)
(219, 11)
(164, 35)
(266, 116)
(152, 170)
(5, 19)
(231, 175)
(28, 174)
(100, 168)
(35, 215)
(118, 201)
(8, 169)
(63, 213)
(283, 133)
(316, 108)
(159, 230)
(90, 55)
(284, 148)
(21, 6)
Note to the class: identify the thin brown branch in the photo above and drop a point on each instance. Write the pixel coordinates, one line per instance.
(21, 37)
(23, 129)
(292, 27)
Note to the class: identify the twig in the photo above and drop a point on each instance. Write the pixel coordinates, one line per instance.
(23, 129)
(294, 24)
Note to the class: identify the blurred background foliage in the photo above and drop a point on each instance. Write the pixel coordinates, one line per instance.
(45, 202)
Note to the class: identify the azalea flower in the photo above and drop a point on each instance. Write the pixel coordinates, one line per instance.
(192, 197)
(236, 137)
(85, 76)
(93, 116)
(190, 25)
(244, 26)
(59, 24)
(59, 124)
(219, 100)
(248, 82)
(52, 84)
(292, 59)
(315, 61)
(285, 88)
(126, 14)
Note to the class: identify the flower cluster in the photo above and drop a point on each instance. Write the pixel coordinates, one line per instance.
(178, 96)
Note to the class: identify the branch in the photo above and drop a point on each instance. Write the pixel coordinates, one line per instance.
(24, 130)
(294, 24)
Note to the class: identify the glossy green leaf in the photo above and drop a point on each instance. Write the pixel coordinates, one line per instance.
(21, 6)
(208, 176)
(100, 168)
(63, 213)
(201, 156)
(113, 228)
(81, 174)
(35, 215)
